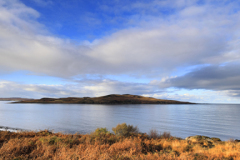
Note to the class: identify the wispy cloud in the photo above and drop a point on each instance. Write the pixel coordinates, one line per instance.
(43, 2)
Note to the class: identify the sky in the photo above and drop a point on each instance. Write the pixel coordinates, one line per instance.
(187, 50)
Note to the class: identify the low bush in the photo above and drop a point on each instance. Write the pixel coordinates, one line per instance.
(101, 132)
(153, 134)
(125, 130)
(165, 135)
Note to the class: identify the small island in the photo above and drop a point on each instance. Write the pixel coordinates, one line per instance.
(108, 99)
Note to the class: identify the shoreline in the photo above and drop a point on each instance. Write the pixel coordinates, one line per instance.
(125, 143)
(10, 129)
(19, 130)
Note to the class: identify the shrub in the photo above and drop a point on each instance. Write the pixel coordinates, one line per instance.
(153, 133)
(125, 130)
(101, 132)
(54, 140)
(165, 135)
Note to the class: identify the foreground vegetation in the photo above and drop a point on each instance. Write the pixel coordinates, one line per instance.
(126, 143)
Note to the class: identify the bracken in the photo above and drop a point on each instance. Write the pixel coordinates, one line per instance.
(104, 145)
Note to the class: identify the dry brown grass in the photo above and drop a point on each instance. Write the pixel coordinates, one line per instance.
(47, 145)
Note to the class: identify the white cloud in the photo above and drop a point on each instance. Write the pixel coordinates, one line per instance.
(193, 34)
(177, 42)
(82, 88)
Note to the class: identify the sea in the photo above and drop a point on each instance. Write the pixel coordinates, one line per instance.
(181, 120)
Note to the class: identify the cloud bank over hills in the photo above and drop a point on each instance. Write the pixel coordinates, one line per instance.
(196, 44)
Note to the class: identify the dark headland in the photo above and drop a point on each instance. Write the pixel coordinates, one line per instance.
(109, 99)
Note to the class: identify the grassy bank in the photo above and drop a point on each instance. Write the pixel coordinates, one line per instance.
(125, 143)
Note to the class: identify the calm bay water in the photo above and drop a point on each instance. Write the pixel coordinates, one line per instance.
(213, 120)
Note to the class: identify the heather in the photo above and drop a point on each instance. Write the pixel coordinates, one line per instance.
(125, 142)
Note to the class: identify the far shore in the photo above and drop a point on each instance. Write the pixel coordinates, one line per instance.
(108, 99)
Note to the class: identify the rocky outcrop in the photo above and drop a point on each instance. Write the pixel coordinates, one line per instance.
(203, 141)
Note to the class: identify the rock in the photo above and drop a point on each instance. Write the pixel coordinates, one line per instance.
(197, 138)
(216, 139)
(203, 141)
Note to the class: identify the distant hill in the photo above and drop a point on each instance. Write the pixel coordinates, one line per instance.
(14, 99)
(109, 99)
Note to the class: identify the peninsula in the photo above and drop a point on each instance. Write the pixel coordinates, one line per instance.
(108, 99)
(14, 99)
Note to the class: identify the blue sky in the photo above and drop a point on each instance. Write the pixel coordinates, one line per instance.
(171, 49)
